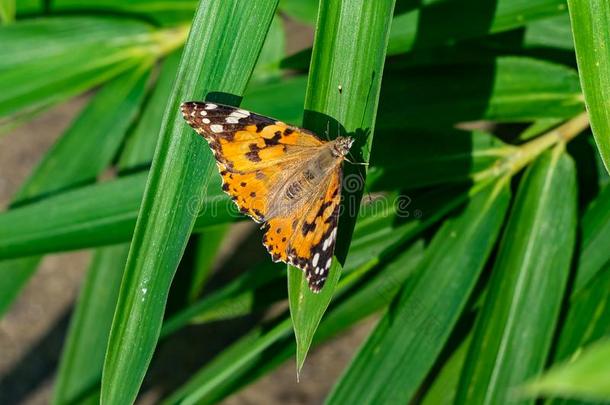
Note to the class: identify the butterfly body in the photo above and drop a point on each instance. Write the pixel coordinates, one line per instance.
(281, 176)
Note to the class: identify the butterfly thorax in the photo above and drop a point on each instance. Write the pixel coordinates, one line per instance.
(341, 146)
(304, 181)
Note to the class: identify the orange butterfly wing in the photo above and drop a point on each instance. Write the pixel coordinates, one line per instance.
(306, 238)
(251, 151)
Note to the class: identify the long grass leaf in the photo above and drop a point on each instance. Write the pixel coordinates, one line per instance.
(219, 56)
(96, 215)
(140, 146)
(504, 89)
(584, 377)
(7, 11)
(104, 123)
(595, 225)
(159, 11)
(47, 60)
(418, 324)
(83, 355)
(67, 165)
(514, 330)
(591, 29)
(342, 94)
(250, 350)
(440, 22)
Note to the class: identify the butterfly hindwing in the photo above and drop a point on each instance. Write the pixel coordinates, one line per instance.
(312, 243)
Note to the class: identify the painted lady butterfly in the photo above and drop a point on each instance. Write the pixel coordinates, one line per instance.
(282, 176)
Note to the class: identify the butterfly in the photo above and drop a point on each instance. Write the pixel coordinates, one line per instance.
(282, 176)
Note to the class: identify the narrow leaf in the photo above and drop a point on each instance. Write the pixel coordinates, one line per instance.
(441, 22)
(515, 327)
(47, 60)
(219, 56)
(83, 354)
(140, 146)
(75, 158)
(591, 29)
(7, 11)
(416, 327)
(104, 122)
(584, 377)
(504, 89)
(595, 225)
(342, 96)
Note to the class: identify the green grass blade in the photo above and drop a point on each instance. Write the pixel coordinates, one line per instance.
(160, 11)
(505, 89)
(75, 158)
(98, 214)
(438, 23)
(434, 157)
(443, 389)
(47, 60)
(417, 326)
(91, 216)
(586, 320)
(514, 330)
(207, 246)
(304, 11)
(140, 146)
(342, 94)
(14, 274)
(441, 22)
(83, 354)
(274, 50)
(355, 301)
(82, 358)
(105, 121)
(306, 310)
(7, 11)
(591, 29)
(595, 225)
(584, 377)
(219, 56)
(249, 349)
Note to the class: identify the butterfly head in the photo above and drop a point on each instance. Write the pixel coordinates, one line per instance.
(342, 145)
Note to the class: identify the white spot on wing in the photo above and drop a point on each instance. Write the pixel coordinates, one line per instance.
(243, 112)
(316, 257)
(232, 120)
(329, 262)
(203, 113)
(210, 106)
(216, 128)
(205, 121)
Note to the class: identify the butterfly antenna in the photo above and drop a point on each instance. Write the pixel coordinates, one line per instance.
(356, 163)
(327, 132)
